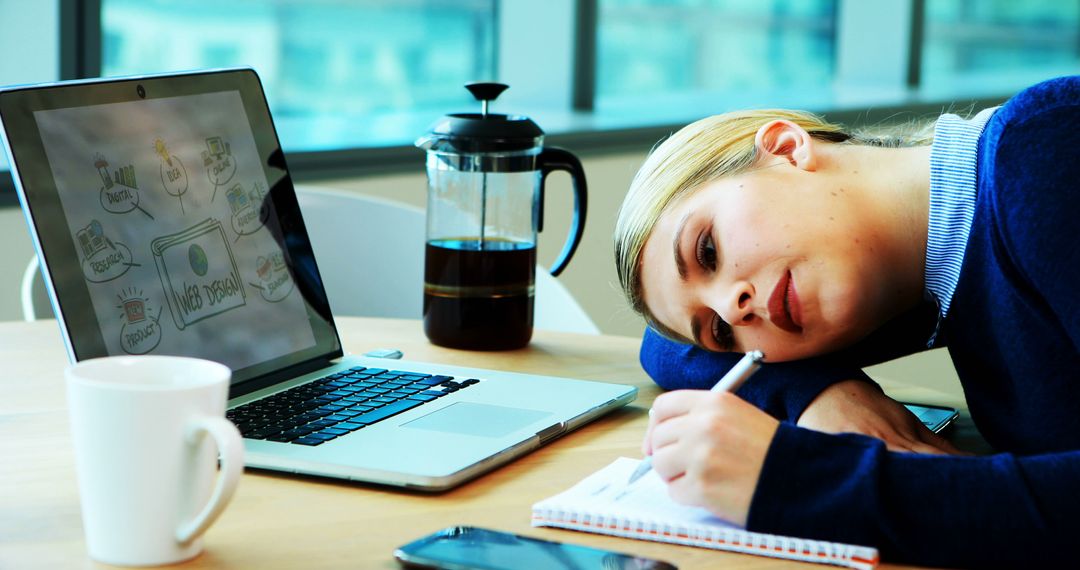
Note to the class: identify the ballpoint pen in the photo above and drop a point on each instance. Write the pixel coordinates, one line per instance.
(743, 369)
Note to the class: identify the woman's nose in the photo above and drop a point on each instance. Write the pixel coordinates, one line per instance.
(736, 305)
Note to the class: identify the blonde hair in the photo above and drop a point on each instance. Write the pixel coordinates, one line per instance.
(704, 151)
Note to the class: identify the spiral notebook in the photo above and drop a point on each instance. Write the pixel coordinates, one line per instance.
(603, 503)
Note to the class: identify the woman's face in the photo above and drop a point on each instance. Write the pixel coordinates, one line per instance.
(781, 259)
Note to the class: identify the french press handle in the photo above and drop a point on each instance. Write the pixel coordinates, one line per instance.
(552, 159)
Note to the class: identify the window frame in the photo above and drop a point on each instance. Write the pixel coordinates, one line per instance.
(567, 77)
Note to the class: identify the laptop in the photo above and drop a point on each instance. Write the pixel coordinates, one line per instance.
(166, 222)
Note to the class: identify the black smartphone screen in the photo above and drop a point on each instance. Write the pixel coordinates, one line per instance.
(935, 418)
(482, 549)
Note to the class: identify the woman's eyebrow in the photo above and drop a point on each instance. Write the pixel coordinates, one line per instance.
(680, 263)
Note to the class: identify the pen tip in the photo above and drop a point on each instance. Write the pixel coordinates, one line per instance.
(644, 467)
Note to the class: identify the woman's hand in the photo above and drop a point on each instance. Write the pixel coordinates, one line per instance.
(854, 406)
(709, 447)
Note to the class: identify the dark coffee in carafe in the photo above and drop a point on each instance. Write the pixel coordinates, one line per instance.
(479, 299)
(486, 175)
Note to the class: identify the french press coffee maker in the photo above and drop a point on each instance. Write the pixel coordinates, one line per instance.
(485, 206)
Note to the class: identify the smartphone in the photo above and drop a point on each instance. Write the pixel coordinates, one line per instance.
(472, 548)
(936, 418)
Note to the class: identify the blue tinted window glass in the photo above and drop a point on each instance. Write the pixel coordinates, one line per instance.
(647, 47)
(996, 39)
(316, 58)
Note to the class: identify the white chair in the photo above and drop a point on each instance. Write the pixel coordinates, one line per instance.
(33, 297)
(371, 258)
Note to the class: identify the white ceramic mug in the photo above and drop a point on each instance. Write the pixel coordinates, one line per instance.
(144, 464)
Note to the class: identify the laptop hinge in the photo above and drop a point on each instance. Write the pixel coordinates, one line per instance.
(260, 382)
(551, 432)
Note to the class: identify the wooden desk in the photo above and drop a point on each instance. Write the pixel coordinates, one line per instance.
(278, 521)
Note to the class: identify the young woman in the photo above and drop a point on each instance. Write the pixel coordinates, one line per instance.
(830, 251)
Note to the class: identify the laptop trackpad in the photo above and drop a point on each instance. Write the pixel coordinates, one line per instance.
(482, 420)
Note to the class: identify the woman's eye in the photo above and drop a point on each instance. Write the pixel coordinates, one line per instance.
(722, 334)
(706, 252)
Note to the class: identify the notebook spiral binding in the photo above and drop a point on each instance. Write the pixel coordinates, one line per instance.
(730, 539)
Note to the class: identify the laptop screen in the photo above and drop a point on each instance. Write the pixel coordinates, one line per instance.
(167, 225)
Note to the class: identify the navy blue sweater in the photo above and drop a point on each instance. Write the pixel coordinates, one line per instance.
(1013, 332)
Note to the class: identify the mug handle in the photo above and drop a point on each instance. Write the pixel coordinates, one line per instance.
(552, 159)
(231, 447)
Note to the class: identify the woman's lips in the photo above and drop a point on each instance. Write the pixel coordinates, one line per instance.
(794, 309)
(784, 307)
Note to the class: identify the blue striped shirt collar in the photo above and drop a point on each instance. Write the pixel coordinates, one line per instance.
(953, 167)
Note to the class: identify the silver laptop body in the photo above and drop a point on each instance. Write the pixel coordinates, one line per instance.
(166, 222)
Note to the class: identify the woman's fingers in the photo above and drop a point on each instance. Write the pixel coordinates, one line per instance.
(909, 446)
(667, 432)
(711, 455)
(669, 462)
(677, 403)
(945, 446)
(669, 405)
(942, 443)
(927, 448)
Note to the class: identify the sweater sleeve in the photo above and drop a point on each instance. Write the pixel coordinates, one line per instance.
(785, 389)
(1034, 165)
(917, 509)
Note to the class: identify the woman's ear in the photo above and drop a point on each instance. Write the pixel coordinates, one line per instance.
(789, 141)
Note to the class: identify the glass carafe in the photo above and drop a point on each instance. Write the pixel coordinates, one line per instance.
(486, 177)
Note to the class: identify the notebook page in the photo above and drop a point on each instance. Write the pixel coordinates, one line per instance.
(607, 491)
(606, 503)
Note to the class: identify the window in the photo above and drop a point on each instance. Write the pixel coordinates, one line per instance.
(661, 47)
(328, 63)
(352, 82)
(31, 44)
(999, 41)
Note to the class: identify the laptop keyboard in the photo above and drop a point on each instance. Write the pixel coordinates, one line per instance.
(340, 403)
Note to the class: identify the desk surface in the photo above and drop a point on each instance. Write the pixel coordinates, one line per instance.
(279, 521)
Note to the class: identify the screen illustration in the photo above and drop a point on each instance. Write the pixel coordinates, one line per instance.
(220, 166)
(119, 191)
(140, 331)
(198, 273)
(248, 207)
(102, 259)
(173, 174)
(166, 202)
(274, 282)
